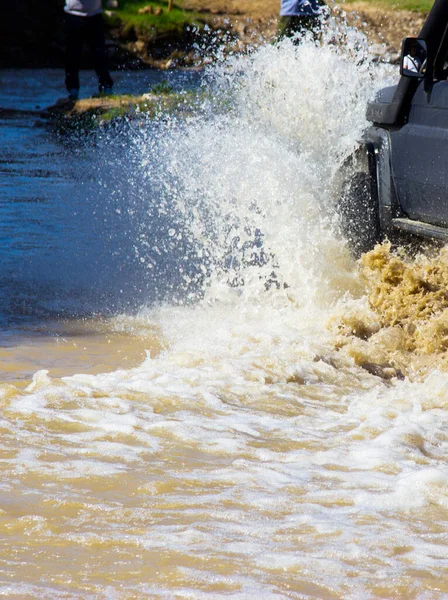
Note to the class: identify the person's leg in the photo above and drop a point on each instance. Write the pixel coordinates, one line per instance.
(286, 27)
(97, 43)
(73, 27)
(314, 25)
(297, 26)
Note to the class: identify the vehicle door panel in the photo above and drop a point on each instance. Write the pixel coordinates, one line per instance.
(420, 157)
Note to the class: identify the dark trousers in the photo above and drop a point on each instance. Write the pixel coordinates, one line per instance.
(291, 26)
(90, 30)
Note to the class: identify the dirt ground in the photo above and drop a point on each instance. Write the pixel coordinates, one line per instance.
(383, 25)
(251, 8)
(380, 24)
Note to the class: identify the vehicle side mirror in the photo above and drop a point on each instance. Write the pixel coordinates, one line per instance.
(413, 57)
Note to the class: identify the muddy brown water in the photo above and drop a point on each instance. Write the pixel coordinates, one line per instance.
(181, 421)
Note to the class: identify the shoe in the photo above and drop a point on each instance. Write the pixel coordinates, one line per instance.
(73, 94)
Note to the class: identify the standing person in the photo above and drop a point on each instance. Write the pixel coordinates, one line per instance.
(298, 16)
(84, 23)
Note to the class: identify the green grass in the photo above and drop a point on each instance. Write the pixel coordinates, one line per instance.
(421, 6)
(86, 117)
(174, 20)
(163, 87)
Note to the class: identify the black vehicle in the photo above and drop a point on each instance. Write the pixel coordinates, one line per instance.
(398, 178)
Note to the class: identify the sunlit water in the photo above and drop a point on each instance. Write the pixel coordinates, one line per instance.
(233, 445)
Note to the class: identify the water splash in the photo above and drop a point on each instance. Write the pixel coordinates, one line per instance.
(250, 449)
(246, 186)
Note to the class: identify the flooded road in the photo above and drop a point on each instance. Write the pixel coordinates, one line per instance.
(67, 261)
(186, 408)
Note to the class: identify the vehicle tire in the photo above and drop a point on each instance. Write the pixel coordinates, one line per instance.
(358, 214)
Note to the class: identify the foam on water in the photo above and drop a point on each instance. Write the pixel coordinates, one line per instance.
(251, 457)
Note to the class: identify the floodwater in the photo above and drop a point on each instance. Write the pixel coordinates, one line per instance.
(188, 407)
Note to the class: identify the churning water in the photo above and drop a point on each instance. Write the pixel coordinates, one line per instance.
(277, 441)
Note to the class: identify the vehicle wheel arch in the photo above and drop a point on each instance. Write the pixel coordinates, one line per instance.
(357, 208)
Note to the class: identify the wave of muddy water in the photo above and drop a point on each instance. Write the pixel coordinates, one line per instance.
(404, 329)
(251, 453)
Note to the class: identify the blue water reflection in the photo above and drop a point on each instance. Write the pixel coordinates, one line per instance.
(34, 89)
(68, 222)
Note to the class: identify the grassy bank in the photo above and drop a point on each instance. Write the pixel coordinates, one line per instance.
(419, 6)
(152, 37)
(157, 37)
(90, 113)
(156, 18)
